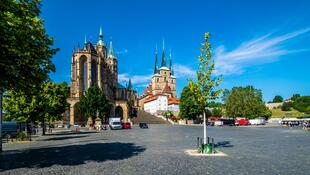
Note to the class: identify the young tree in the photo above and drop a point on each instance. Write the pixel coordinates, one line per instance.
(246, 102)
(95, 101)
(277, 99)
(25, 48)
(204, 87)
(47, 103)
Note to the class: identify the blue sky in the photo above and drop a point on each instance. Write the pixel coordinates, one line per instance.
(262, 43)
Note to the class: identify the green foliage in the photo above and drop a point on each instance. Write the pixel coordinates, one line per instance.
(246, 102)
(302, 104)
(213, 104)
(93, 101)
(204, 89)
(189, 105)
(277, 99)
(25, 47)
(168, 114)
(286, 106)
(295, 97)
(21, 136)
(46, 102)
(217, 112)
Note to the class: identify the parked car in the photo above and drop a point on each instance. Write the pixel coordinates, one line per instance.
(242, 122)
(143, 125)
(257, 121)
(126, 125)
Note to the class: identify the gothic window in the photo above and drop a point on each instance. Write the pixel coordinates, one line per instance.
(165, 79)
(94, 74)
(157, 80)
(83, 72)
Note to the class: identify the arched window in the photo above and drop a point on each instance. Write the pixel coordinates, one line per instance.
(94, 72)
(83, 72)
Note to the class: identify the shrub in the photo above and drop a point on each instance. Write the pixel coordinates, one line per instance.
(21, 136)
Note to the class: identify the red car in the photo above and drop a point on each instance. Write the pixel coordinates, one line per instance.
(243, 122)
(126, 125)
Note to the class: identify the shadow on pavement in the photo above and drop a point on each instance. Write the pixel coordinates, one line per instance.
(68, 155)
(63, 138)
(224, 144)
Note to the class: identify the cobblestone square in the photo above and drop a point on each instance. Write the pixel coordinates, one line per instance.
(161, 150)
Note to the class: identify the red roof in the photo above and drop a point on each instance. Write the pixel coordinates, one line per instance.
(173, 101)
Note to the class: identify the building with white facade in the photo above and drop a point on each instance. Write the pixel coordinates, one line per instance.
(158, 104)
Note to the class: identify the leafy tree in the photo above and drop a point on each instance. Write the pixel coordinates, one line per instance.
(213, 104)
(302, 104)
(25, 47)
(295, 97)
(286, 106)
(246, 102)
(217, 112)
(93, 101)
(168, 114)
(204, 88)
(225, 95)
(189, 106)
(47, 103)
(277, 99)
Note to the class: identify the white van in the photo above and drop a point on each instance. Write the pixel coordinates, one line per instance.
(115, 123)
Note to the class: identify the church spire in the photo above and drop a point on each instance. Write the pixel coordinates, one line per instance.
(111, 52)
(100, 42)
(163, 59)
(129, 84)
(85, 43)
(156, 64)
(171, 67)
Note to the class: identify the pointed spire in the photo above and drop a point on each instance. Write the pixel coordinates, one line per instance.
(171, 67)
(100, 42)
(111, 52)
(129, 87)
(156, 64)
(163, 59)
(85, 43)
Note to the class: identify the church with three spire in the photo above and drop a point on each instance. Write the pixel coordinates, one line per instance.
(163, 84)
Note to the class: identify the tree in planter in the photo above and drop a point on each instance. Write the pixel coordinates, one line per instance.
(46, 103)
(93, 101)
(204, 88)
(277, 99)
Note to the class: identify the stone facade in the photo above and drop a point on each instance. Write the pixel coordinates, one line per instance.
(93, 65)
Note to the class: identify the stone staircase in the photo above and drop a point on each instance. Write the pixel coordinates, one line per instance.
(144, 117)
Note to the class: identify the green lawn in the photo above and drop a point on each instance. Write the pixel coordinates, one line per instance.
(278, 113)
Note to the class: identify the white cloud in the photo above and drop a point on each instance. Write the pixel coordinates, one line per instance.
(135, 79)
(122, 52)
(182, 71)
(260, 50)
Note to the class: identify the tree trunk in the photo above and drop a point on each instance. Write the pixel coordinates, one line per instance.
(43, 127)
(1, 95)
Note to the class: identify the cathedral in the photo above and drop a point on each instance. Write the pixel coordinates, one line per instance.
(163, 81)
(95, 64)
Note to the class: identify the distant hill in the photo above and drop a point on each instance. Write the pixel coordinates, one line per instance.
(278, 113)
